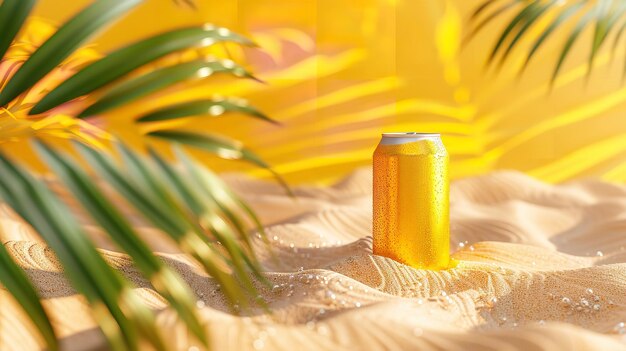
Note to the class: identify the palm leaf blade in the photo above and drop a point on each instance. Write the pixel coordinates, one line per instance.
(164, 280)
(62, 43)
(562, 17)
(169, 218)
(571, 39)
(213, 107)
(519, 18)
(530, 19)
(18, 285)
(220, 146)
(81, 262)
(127, 59)
(144, 85)
(208, 218)
(13, 13)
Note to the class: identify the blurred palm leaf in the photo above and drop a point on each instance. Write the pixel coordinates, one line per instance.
(606, 17)
(37, 98)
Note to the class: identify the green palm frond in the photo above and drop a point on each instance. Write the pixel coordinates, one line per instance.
(606, 17)
(167, 199)
(189, 204)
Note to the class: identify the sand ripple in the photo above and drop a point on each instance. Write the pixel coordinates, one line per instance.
(540, 267)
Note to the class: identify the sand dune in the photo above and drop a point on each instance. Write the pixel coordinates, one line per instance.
(540, 267)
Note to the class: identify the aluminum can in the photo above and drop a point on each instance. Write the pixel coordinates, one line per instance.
(411, 214)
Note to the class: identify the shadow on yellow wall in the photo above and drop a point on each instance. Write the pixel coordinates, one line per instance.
(342, 72)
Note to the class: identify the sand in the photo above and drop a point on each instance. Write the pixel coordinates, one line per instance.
(541, 267)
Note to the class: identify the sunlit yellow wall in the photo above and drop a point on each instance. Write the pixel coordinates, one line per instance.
(340, 72)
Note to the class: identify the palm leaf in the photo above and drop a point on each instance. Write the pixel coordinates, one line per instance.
(562, 17)
(213, 190)
(213, 107)
(62, 43)
(571, 39)
(218, 145)
(125, 60)
(18, 285)
(148, 83)
(523, 16)
(195, 209)
(13, 13)
(204, 212)
(120, 315)
(533, 16)
(168, 216)
(166, 282)
(604, 15)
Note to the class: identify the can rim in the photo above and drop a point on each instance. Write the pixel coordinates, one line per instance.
(410, 135)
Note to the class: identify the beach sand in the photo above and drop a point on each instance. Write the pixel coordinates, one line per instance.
(540, 267)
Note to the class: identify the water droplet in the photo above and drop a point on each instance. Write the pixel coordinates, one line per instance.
(620, 328)
(584, 302)
(471, 248)
(204, 72)
(200, 304)
(599, 253)
(461, 245)
(542, 322)
(228, 63)
(566, 301)
(589, 291)
(258, 344)
(322, 329)
(357, 304)
(216, 110)
(596, 307)
(596, 298)
(223, 31)
(275, 238)
(443, 293)
(420, 301)
(207, 42)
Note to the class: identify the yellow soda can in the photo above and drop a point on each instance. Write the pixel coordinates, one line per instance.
(411, 218)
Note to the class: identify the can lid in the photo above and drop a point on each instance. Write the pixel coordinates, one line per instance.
(407, 137)
(410, 135)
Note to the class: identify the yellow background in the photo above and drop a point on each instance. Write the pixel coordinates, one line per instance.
(341, 72)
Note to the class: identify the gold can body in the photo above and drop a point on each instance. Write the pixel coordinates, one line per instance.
(411, 218)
